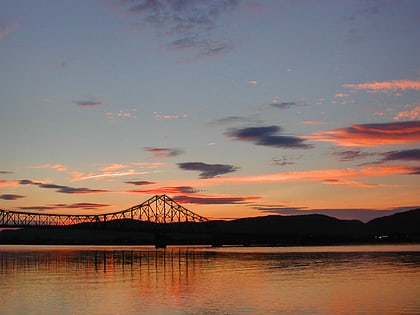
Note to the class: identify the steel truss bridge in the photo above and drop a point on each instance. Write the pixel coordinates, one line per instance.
(158, 209)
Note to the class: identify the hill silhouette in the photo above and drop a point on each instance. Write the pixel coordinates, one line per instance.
(312, 229)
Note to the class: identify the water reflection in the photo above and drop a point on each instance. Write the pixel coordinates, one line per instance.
(133, 280)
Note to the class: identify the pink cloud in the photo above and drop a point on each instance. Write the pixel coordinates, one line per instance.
(372, 134)
(386, 86)
(313, 122)
(413, 114)
(57, 167)
(159, 116)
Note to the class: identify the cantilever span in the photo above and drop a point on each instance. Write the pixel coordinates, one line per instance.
(158, 209)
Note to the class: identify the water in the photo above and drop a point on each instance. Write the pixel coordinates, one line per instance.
(200, 280)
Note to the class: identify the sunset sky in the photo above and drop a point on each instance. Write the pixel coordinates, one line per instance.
(232, 108)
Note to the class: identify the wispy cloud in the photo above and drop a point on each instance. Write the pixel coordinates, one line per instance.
(11, 197)
(88, 102)
(121, 114)
(276, 103)
(77, 176)
(267, 136)
(163, 152)
(189, 195)
(7, 28)
(286, 160)
(386, 86)
(6, 172)
(351, 155)
(79, 205)
(186, 24)
(314, 122)
(208, 200)
(166, 190)
(372, 134)
(140, 182)
(57, 167)
(321, 176)
(114, 170)
(208, 170)
(159, 116)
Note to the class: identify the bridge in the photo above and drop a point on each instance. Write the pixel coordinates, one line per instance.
(158, 209)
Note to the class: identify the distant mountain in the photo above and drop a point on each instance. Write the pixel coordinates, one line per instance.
(312, 229)
(407, 223)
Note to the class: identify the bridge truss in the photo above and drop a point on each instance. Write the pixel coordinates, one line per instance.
(158, 209)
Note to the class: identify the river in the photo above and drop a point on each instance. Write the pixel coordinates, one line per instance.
(381, 279)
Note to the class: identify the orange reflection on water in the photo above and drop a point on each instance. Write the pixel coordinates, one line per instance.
(132, 280)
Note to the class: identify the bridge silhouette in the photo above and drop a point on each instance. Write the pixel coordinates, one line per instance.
(159, 209)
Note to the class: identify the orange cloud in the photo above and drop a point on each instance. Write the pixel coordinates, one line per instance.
(386, 86)
(327, 176)
(341, 95)
(5, 183)
(372, 134)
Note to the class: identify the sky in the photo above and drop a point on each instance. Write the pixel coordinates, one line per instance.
(233, 108)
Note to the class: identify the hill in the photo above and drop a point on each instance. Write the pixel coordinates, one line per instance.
(312, 229)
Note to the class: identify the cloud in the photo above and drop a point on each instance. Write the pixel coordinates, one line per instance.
(6, 29)
(62, 189)
(188, 24)
(6, 172)
(282, 105)
(80, 205)
(121, 114)
(167, 190)
(322, 175)
(386, 86)
(234, 119)
(372, 134)
(10, 197)
(267, 136)
(404, 155)
(341, 95)
(286, 160)
(57, 167)
(77, 176)
(163, 152)
(352, 183)
(413, 114)
(208, 170)
(313, 122)
(140, 183)
(351, 155)
(88, 102)
(6, 183)
(188, 194)
(213, 200)
(159, 116)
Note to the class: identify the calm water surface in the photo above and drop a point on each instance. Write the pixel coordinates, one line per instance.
(200, 280)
